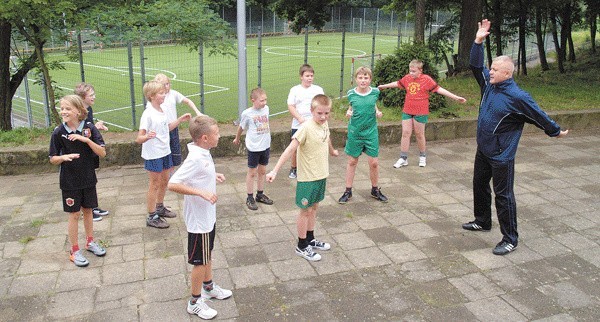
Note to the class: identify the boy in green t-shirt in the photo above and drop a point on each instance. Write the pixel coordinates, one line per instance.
(363, 135)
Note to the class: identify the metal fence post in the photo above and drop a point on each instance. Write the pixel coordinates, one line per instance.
(342, 68)
(373, 47)
(399, 34)
(306, 45)
(242, 63)
(259, 57)
(131, 84)
(28, 101)
(80, 50)
(201, 74)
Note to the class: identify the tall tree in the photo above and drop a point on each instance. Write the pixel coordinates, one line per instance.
(592, 12)
(471, 14)
(420, 8)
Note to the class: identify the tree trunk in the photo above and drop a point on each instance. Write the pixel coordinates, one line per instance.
(420, 21)
(496, 26)
(571, 48)
(593, 28)
(55, 118)
(522, 36)
(539, 35)
(469, 17)
(565, 30)
(6, 101)
(559, 53)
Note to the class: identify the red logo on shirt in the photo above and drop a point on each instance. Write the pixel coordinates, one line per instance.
(70, 202)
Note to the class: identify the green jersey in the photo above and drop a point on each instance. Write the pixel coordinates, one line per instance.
(363, 122)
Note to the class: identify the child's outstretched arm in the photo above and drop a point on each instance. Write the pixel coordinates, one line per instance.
(191, 104)
(388, 85)
(184, 118)
(187, 190)
(451, 95)
(282, 159)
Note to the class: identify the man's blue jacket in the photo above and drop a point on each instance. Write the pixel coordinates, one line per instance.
(503, 112)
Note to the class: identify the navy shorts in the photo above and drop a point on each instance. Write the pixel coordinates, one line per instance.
(256, 158)
(175, 147)
(159, 165)
(74, 200)
(200, 247)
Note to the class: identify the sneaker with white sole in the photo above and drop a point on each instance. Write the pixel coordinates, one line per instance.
(96, 217)
(422, 161)
(217, 292)
(402, 162)
(78, 259)
(201, 309)
(317, 244)
(293, 173)
(503, 248)
(95, 249)
(100, 212)
(308, 254)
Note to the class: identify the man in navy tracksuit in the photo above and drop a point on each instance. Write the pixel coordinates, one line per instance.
(503, 112)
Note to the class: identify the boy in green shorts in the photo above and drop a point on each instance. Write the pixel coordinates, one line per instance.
(363, 135)
(416, 106)
(313, 147)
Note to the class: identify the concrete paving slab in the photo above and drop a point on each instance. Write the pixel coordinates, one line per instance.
(407, 259)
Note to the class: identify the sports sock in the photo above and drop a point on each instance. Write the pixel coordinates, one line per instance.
(404, 155)
(349, 189)
(194, 298)
(207, 286)
(251, 196)
(422, 154)
(74, 248)
(89, 240)
(310, 235)
(302, 243)
(259, 192)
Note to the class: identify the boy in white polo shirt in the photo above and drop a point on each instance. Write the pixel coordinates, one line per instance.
(197, 180)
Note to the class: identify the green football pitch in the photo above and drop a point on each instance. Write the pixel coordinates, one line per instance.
(280, 58)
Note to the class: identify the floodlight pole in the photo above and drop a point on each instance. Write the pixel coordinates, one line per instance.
(242, 76)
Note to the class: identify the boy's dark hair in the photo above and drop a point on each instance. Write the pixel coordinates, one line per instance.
(320, 100)
(306, 68)
(201, 125)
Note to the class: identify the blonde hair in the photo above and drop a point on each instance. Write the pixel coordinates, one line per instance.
(363, 70)
(162, 78)
(152, 88)
(82, 89)
(201, 125)
(306, 68)
(77, 102)
(255, 93)
(320, 100)
(416, 63)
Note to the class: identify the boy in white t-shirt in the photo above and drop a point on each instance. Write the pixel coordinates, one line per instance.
(255, 120)
(197, 180)
(299, 104)
(154, 138)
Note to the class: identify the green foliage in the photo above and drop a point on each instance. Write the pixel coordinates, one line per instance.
(22, 136)
(394, 67)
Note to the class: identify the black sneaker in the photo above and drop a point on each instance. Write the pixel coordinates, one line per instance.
(503, 248)
(251, 204)
(96, 217)
(345, 197)
(98, 211)
(293, 173)
(472, 225)
(376, 193)
(264, 199)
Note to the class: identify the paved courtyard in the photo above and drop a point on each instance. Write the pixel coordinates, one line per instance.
(404, 260)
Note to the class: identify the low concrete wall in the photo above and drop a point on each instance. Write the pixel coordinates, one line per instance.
(35, 160)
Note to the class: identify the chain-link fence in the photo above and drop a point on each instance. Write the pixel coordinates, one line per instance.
(274, 55)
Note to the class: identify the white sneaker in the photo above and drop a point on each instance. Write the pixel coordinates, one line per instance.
(308, 254)
(402, 162)
(422, 161)
(217, 292)
(201, 309)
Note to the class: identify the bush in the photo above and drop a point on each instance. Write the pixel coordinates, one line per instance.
(394, 67)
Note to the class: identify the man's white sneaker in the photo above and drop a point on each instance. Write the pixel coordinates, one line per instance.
(402, 162)
(422, 161)
(217, 292)
(201, 309)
